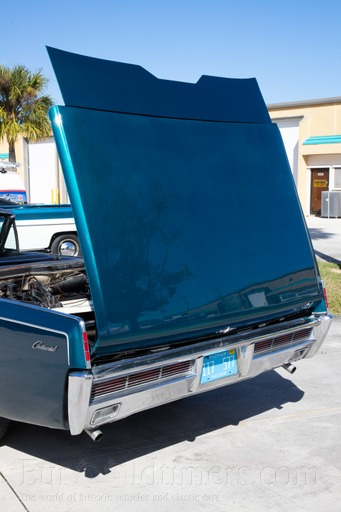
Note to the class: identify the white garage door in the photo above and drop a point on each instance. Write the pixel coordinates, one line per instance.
(289, 129)
(43, 175)
(43, 163)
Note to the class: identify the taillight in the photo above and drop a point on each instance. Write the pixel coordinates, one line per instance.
(325, 296)
(86, 347)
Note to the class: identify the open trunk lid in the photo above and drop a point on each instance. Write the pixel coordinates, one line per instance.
(184, 202)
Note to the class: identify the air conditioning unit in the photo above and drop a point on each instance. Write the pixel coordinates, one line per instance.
(331, 204)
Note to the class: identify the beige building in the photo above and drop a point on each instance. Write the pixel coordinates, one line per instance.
(40, 169)
(311, 132)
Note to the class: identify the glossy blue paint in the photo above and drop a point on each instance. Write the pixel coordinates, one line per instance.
(35, 211)
(187, 226)
(40, 374)
(119, 87)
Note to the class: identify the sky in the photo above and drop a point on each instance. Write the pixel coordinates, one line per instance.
(291, 47)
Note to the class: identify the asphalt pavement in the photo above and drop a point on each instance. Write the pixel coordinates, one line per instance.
(270, 443)
(326, 237)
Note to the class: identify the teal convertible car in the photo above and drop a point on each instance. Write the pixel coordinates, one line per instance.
(197, 269)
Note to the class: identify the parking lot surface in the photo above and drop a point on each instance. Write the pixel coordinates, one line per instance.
(326, 237)
(272, 442)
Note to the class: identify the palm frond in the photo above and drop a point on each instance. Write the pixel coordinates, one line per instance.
(23, 106)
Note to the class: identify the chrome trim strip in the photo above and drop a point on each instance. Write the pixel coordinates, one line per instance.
(194, 350)
(244, 345)
(129, 389)
(81, 409)
(80, 384)
(151, 385)
(320, 333)
(161, 394)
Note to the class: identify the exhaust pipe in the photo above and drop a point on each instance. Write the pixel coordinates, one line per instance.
(289, 367)
(96, 435)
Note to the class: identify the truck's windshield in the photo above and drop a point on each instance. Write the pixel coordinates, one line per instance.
(8, 236)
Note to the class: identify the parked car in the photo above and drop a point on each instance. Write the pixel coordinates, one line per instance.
(43, 227)
(36, 280)
(11, 184)
(6, 202)
(198, 268)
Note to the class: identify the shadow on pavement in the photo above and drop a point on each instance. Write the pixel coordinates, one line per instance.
(152, 430)
(319, 234)
(325, 257)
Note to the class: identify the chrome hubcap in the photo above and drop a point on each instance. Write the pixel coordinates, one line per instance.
(68, 248)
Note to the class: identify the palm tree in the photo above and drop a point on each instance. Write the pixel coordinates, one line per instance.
(23, 107)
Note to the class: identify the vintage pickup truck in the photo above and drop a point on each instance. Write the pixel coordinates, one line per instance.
(45, 227)
(198, 269)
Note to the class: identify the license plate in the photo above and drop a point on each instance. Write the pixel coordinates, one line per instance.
(219, 365)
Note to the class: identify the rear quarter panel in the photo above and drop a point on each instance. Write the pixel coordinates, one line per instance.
(37, 349)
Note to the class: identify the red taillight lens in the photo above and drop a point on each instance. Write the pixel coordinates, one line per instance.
(86, 347)
(325, 297)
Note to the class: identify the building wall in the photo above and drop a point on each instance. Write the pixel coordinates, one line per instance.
(320, 118)
(298, 122)
(40, 168)
(289, 128)
(20, 155)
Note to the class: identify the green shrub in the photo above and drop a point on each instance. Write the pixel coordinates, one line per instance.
(331, 275)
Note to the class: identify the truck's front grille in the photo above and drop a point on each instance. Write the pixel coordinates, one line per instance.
(282, 341)
(115, 384)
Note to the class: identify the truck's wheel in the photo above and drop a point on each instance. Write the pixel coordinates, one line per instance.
(3, 427)
(67, 245)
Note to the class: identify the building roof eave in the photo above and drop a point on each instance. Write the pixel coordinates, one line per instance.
(304, 103)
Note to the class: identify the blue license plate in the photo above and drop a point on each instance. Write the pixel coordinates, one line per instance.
(219, 365)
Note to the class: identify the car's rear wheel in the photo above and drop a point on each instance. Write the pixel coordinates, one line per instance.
(66, 245)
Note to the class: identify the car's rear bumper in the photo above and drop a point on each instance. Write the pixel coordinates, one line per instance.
(113, 391)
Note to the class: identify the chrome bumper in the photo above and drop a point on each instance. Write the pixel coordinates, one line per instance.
(114, 391)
